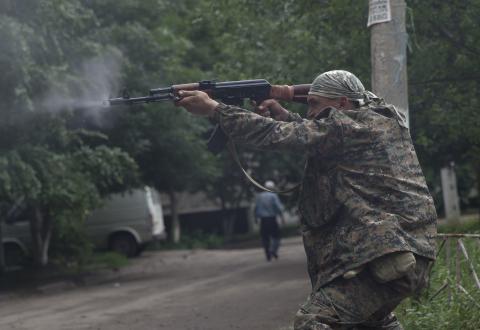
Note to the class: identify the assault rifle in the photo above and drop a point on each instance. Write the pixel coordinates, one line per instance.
(228, 92)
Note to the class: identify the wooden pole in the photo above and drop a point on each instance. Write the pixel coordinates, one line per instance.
(459, 235)
(441, 246)
(458, 272)
(468, 295)
(470, 264)
(448, 262)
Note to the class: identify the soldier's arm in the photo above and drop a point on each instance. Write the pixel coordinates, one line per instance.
(245, 127)
(271, 108)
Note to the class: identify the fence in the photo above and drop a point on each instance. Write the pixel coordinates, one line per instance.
(460, 250)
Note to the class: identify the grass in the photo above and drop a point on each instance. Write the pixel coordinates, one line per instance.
(196, 240)
(110, 260)
(457, 311)
(92, 263)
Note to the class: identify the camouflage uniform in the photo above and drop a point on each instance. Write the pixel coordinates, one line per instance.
(363, 196)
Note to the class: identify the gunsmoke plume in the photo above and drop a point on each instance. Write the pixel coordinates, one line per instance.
(92, 83)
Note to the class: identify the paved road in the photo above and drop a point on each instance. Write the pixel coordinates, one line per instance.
(201, 289)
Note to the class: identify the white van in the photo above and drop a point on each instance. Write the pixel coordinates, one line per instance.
(126, 224)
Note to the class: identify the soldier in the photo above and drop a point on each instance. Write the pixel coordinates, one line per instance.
(367, 217)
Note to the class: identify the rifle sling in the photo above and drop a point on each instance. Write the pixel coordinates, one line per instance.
(233, 152)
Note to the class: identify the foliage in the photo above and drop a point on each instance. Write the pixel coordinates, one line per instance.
(110, 260)
(61, 56)
(287, 43)
(70, 248)
(58, 176)
(428, 312)
(438, 312)
(165, 142)
(444, 88)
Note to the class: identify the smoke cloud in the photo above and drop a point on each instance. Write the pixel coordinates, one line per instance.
(85, 90)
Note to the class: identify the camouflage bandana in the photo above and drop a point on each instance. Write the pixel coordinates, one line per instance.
(337, 83)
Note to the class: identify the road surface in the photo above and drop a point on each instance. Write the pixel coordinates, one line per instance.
(199, 289)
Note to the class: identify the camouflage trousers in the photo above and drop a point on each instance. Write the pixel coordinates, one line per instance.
(360, 302)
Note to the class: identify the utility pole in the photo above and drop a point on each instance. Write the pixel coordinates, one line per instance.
(388, 47)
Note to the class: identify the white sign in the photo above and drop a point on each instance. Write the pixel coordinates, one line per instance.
(378, 12)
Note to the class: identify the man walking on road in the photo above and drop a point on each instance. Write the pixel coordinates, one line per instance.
(367, 217)
(267, 208)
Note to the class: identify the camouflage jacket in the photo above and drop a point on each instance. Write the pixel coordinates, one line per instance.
(363, 193)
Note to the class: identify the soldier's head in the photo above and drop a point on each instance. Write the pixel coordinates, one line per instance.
(338, 88)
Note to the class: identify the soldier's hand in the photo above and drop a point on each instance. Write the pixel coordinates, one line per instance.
(271, 108)
(196, 102)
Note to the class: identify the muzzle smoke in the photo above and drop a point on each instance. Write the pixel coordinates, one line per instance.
(86, 89)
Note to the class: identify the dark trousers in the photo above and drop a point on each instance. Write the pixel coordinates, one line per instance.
(270, 236)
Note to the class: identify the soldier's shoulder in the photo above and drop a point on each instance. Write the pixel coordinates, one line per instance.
(388, 111)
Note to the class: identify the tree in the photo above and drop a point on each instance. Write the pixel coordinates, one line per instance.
(51, 167)
(58, 176)
(165, 143)
(444, 87)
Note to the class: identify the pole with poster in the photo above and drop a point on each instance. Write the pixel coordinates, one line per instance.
(388, 47)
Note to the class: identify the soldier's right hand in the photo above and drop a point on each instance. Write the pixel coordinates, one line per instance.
(271, 108)
(196, 102)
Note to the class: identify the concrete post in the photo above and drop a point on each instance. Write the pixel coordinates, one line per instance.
(450, 194)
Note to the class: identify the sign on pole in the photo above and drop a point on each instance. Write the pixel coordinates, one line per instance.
(379, 11)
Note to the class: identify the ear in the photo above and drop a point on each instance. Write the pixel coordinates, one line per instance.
(342, 101)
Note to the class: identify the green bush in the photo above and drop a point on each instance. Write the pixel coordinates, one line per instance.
(73, 252)
(70, 247)
(108, 259)
(195, 240)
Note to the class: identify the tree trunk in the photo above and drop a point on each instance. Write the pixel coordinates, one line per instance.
(175, 227)
(46, 236)
(478, 187)
(228, 226)
(251, 218)
(41, 232)
(2, 252)
(227, 221)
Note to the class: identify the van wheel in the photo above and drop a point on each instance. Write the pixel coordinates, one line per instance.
(124, 244)
(14, 255)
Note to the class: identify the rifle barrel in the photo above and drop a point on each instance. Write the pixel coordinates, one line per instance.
(141, 99)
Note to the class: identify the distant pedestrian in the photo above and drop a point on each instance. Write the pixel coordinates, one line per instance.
(267, 208)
